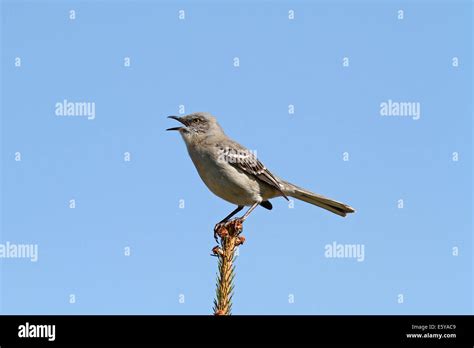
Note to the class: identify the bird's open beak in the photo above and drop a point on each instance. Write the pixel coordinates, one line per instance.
(177, 118)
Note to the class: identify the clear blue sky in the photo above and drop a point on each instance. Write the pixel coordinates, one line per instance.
(189, 62)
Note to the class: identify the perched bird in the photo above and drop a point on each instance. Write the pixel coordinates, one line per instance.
(235, 174)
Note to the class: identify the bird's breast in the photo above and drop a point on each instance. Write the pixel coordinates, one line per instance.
(223, 179)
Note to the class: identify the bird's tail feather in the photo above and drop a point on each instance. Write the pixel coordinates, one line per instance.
(318, 200)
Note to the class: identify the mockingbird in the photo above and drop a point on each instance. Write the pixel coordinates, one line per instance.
(235, 174)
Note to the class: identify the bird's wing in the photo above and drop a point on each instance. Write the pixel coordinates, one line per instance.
(243, 159)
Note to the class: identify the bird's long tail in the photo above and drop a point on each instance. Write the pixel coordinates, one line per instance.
(318, 200)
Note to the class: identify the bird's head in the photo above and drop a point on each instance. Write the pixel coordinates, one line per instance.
(196, 126)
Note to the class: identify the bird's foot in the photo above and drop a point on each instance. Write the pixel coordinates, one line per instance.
(220, 230)
(223, 229)
(237, 225)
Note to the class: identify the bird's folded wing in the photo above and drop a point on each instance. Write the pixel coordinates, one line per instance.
(246, 161)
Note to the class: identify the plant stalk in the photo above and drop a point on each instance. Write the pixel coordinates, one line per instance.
(230, 238)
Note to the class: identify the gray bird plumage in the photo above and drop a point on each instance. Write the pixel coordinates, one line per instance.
(234, 173)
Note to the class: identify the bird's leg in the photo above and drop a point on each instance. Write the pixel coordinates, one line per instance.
(237, 224)
(235, 211)
(219, 229)
(221, 224)
(242, 219)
